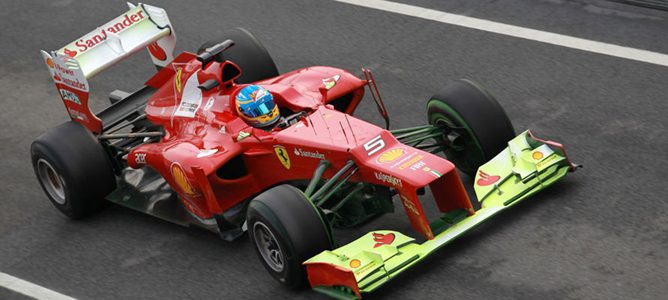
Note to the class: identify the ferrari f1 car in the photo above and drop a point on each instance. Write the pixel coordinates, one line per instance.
(177, 149)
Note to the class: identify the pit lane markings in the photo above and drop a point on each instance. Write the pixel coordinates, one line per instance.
(514, 31)
(30, 289)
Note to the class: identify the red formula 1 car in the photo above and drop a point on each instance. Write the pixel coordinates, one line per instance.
(177, 149)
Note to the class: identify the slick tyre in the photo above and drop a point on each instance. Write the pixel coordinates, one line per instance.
(73, 169)
(475, 126)
(286, 229)
(248, 53)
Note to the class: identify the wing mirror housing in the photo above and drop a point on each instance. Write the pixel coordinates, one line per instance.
(216, 74)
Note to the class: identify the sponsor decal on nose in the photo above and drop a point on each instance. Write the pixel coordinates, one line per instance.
(391, 155)
(389, 179)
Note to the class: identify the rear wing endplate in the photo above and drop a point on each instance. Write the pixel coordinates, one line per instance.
(143, 26)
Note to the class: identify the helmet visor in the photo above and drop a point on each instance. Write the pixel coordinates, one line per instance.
(255, 110)
(263, 109)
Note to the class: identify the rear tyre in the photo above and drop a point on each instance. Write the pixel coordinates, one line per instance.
(248, 53)
(73, 169)
(475, 125)
(286, 230)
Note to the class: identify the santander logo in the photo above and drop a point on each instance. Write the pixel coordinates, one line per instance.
(70, 53)
(117, 25)
(486, 179)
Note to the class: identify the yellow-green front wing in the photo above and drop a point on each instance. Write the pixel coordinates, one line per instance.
(525, 167)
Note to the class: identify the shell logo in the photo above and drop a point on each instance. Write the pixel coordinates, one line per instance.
(391, 155)
(181, 180)
(355, 263)
(49, 62)
(537, 155)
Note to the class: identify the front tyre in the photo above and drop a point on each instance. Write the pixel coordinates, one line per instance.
(286, 229)
(73, 169)
(475, 126)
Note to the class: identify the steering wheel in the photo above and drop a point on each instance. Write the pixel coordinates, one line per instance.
(291, 119)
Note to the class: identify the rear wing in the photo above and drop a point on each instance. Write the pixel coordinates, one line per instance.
(143, 26)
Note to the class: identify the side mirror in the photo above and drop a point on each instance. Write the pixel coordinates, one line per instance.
(216, 74)
(230, 71)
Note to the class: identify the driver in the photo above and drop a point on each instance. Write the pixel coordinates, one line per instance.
(256, 106)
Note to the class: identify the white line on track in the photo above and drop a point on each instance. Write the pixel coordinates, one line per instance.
(30, 289)
(515, 31)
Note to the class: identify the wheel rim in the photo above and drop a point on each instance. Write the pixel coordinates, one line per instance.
(267, 245)
(464, 148)
(53, 183)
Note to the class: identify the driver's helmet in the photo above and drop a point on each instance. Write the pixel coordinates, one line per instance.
(256, 106)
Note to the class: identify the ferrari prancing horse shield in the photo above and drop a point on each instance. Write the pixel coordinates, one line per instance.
(283, 156)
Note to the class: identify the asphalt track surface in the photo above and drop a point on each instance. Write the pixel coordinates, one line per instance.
(601, 233)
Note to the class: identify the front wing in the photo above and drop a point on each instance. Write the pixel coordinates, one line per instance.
(526, 166)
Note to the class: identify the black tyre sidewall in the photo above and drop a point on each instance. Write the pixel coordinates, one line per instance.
(76, 155)
(488, 122)
(297, 226)
(248, 53)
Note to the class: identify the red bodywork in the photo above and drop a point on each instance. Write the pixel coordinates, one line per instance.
(195, 147)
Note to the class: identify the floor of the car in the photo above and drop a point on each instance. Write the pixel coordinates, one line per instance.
(146, 191)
